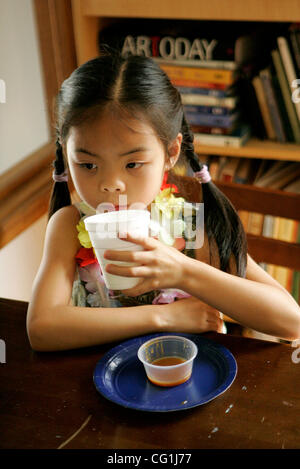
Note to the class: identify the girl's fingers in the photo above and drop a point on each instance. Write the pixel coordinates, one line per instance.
(127, 256)
(147, 243)
(128, 271)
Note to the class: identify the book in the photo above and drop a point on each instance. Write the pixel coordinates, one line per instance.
(228, 171)
(255, 223)
(202, 100)
(215, 64)
(281, 178)
(238, 138)
(293, 186)
(266, 79)
(213, 166)
(281, 274)
(200, 74)
(268, 226)
(227, 92)
(167, 40)
(213, 110)
(267, 177)
(179, 82)
(244, 171)
(294, 34)
(213, 130)
(289, 68)
(244, 217)
(264, 109)
(285, 89)
(195, 118)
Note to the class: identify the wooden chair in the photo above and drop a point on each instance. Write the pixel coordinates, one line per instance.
(267, 202)
(259, 200)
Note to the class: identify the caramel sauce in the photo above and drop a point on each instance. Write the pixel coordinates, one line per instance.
(170, 383)
(172, 380)
(168, 361)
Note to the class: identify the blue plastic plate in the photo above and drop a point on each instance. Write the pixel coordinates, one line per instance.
(120, 377)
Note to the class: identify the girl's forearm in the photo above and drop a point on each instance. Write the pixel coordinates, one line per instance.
(256, 305)
(67, 327)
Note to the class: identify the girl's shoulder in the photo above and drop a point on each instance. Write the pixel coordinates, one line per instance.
(61, 230)
(65, 216)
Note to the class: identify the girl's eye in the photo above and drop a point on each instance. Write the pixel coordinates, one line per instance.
(134, 165)
(88, 166)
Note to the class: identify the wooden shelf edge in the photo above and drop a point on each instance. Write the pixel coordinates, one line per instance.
(254, 148)
(256, 10)
(24, 193)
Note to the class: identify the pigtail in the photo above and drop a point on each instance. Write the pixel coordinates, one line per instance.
(222, 223)
(60, 196)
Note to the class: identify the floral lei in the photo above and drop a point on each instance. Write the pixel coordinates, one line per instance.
(89, 269)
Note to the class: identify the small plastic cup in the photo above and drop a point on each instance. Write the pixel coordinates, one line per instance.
(104, 229)
(168, 360)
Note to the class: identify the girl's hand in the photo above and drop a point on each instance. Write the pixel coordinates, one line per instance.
(159, 266)
(190, 315)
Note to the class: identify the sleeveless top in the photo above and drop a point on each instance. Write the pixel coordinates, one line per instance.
(89, 289)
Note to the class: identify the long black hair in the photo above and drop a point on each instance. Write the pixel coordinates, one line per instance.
(138, 86)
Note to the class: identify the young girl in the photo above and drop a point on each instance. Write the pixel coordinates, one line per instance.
(120, 129)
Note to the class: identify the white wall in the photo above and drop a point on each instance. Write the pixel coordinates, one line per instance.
(19, 262)
(23, 129)
(23, 117)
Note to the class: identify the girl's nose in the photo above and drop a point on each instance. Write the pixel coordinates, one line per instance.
(112, 186)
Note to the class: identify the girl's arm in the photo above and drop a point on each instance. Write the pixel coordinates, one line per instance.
(54, 324)
(257, 302)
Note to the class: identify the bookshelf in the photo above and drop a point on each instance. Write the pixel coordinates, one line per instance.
(89, 16)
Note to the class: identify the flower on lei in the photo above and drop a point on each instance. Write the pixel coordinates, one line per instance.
(168, 209)
(83, 235)
(169, 296)
(85, 256)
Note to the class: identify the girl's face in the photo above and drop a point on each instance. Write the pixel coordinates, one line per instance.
(110, 157)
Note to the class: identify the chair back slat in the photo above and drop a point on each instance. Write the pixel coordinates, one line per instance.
(259, 200)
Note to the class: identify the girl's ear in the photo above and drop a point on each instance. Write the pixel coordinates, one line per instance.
(173, 152)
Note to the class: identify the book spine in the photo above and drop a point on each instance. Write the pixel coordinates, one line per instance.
(268, 224)
(219, 76)
(211, 92)
(216, 64)
(262, 102)
(221, 140)
(196, 84)
(202, 129)
(198, 100)
(255, 223)
(272, 104)
(285, 89)
(289, 67)
(213, 110)
(210, 120)
(295, 42)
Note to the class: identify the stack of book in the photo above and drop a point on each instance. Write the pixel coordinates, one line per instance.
(210, 99)
(203, 68)
(278, 89)
(278, 175)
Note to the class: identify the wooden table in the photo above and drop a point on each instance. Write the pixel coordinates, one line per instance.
(48, 400)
